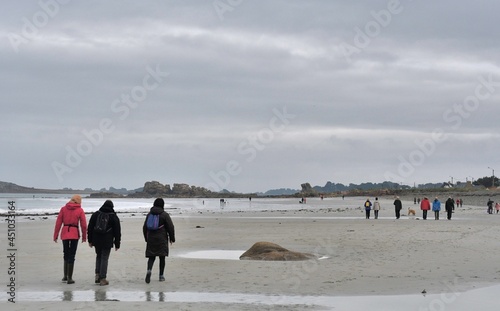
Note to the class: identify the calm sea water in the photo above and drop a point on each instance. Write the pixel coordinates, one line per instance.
(51, 203)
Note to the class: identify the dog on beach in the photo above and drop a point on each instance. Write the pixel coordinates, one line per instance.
(411, 212)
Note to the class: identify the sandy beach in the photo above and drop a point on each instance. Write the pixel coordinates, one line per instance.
(356, 258)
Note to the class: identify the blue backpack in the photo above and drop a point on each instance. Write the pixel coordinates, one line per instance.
(153, 222)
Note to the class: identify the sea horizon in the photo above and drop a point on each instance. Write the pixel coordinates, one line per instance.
(50, 204)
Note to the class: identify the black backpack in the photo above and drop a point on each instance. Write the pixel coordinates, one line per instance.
(102, 223)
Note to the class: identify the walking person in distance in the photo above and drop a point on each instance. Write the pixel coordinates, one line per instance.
(425, 206)
(104, 231)
(436, 207)
(376, 207)
(158, 231)
(398, 206)
(368, 207)
(490, 206)
(449, 207)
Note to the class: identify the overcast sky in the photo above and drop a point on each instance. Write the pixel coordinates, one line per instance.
(248, 95)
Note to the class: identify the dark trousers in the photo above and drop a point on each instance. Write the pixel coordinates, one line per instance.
(376, 214)
(436, 215)
(101, 261)
(424, 214)
(69, 250)
(397, 213)
(151, 261)
(367, 214)
(448, 213)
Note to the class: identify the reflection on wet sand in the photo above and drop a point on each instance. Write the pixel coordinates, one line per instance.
(457, 301)
(155, 296)
(68, 295)
(98, 295)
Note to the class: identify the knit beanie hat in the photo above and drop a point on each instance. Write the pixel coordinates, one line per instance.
(159, 202)
(76, 199)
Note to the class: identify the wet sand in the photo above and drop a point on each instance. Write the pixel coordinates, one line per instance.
(384, 257)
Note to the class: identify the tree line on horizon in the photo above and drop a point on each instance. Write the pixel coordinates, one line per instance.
(331, 187)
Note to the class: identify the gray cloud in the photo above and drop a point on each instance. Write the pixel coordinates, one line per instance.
(355, 118)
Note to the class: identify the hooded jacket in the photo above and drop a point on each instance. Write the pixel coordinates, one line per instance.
(157, 240)
(449, 205)
(398, 205)
(368, 205)
(436, 205)
(425, 205)
(113, 235)
(71, 219)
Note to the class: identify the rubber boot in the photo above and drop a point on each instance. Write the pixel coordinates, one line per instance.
(148, 276)
(65, 278)
(70, 273)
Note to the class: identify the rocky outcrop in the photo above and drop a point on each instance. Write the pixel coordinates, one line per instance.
(273, 252)
(307, 190)
(156, 189)
(181, 189)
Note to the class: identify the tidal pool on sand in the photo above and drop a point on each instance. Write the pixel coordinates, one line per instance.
(213, 254)
(220, 254)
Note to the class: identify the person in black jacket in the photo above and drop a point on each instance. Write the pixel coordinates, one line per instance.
(157, 240)
(397, 207)
(490, 206)
(102, 239)
(449, 206)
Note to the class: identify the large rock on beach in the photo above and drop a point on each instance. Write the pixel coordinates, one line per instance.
(273, 252)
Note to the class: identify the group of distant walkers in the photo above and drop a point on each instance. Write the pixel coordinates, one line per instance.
(104, 231)
(425, 205)
(490, 206)
(368, 208)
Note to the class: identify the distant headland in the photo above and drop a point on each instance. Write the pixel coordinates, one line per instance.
(180, 190)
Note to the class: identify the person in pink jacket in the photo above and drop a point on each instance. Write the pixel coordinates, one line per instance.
(72, 224)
